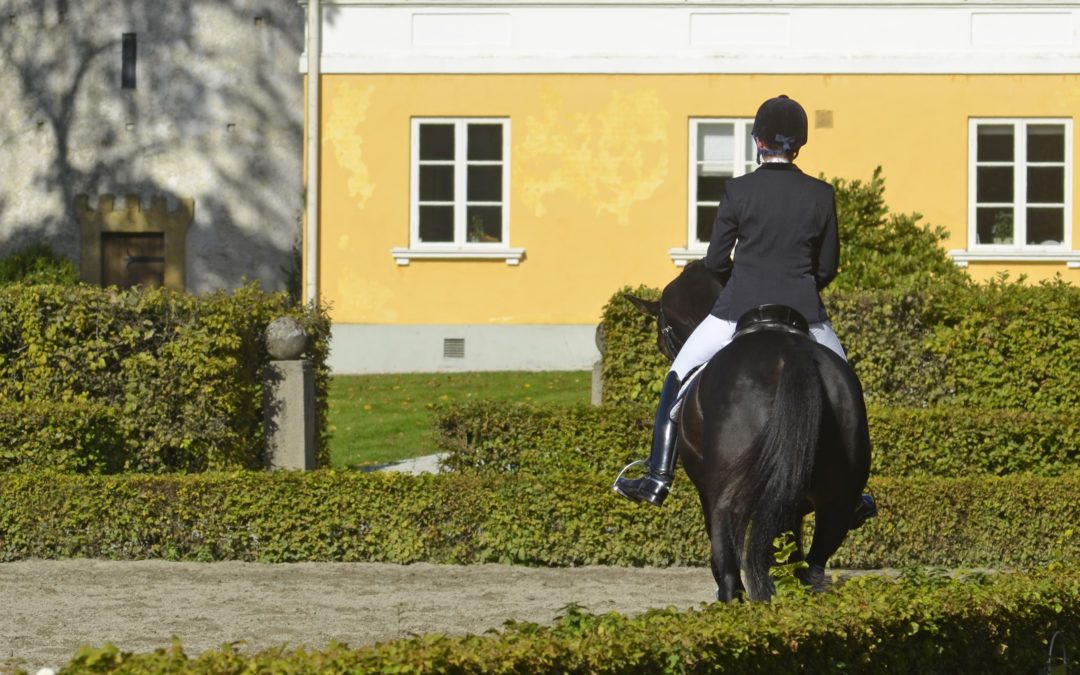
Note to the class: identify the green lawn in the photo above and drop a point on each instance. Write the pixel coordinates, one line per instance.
(381, 418)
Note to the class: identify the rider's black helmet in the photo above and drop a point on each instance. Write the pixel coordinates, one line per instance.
(781, 122)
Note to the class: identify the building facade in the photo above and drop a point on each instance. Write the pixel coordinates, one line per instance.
(491, 173)
(151, 143)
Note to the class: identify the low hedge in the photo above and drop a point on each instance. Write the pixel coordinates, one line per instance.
(1002, 344)
(557, 520)
(184, 373)
(920, 624)
(486, 437)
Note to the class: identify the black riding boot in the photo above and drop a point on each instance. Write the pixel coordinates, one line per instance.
(866, 509)
(653, 487)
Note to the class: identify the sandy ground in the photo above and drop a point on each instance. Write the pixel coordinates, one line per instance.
(48, 609)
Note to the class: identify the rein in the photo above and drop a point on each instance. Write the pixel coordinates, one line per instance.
(671, 340)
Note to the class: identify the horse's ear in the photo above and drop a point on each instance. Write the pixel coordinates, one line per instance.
(650, 307)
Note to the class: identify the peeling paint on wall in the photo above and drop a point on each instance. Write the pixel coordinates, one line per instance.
(364, 298)
(344, 137)
(611, 159)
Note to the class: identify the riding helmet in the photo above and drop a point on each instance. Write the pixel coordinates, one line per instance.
(781, 122)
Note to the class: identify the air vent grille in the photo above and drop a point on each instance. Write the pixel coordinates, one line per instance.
(453, 348)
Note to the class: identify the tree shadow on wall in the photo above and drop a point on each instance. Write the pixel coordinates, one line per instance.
(216, 114)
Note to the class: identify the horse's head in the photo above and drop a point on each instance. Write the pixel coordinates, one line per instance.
(683, 304)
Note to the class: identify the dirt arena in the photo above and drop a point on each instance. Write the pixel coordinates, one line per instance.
(51, 608)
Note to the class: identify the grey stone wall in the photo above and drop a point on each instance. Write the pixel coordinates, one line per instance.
(216, 115)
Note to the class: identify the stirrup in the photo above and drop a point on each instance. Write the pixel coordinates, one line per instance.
(615, 485)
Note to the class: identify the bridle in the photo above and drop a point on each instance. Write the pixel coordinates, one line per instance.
(667, 333)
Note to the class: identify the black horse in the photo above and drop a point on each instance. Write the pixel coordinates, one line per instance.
(772, 428)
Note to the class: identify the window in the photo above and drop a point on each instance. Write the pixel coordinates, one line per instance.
(459, 190)
(1020, 177)
(127, 61)
(719, 149)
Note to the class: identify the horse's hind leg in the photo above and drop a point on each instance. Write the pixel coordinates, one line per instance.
(830, 529)
(725, 560)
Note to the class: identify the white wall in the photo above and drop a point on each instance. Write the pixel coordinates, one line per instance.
(216, 115)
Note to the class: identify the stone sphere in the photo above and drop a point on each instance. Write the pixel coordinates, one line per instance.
(286, 339)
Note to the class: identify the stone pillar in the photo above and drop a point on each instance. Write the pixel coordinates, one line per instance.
(597, 369)
(290, 398)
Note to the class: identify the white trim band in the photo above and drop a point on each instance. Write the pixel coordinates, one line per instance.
(963, 257)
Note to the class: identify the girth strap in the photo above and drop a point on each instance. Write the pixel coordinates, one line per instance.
(772, 317)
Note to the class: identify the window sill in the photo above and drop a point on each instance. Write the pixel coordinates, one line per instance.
(682, 256)
(962, 257)
(404, 256)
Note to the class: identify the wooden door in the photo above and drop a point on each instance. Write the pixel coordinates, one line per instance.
(130, 259)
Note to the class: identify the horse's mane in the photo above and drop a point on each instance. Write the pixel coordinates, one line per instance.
(691, 295)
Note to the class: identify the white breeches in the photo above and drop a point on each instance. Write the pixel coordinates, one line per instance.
(713, 334)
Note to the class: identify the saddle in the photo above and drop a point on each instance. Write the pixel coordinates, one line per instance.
(772, 317)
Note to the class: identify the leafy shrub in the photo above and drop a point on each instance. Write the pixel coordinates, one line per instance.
(78, 436)
(184, 372)
(881, 250)
(565, 519)
(1008, 344)
(488, 438)
(632, 367)
(917, 624)
(37, 264)
(1002, 344)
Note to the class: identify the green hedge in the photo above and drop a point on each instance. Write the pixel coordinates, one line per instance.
(184, 373)
(559, 520)
(488, 438)
(37, 264)
(1002, 344)
(79, 436)
(920, 624)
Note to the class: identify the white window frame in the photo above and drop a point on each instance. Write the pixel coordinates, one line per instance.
(460, 248)
(1017, 252)
(696, 248)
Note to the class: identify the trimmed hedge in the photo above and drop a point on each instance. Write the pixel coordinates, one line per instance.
(562, 520)
(78, 437)
(919, 624)
(182, 373)
(1002, 344)
(488, 438)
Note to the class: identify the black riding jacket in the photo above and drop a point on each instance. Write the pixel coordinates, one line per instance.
(781, 224)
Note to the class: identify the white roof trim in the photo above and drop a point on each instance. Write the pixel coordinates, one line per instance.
(662, 36)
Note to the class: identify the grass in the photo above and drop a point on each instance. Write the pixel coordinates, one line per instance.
(376, 419)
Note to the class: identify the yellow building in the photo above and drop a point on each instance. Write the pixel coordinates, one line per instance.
(490, 173)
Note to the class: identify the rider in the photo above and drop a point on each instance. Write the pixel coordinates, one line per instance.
(774, 241)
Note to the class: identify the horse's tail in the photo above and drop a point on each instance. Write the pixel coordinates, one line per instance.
(771, 478)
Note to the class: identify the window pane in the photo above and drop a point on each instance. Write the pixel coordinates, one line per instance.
(436, 141)
(995, 184)
(1045, 226)
(751, 149)
(485, 224)
(1046, 185)
(436, 183)
(716, 143)
(710, 188)
(994, 225)
(484, 184)
(1046, 143)
(436, 224)
(485, 142)
(705, 217)
(995, 143)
